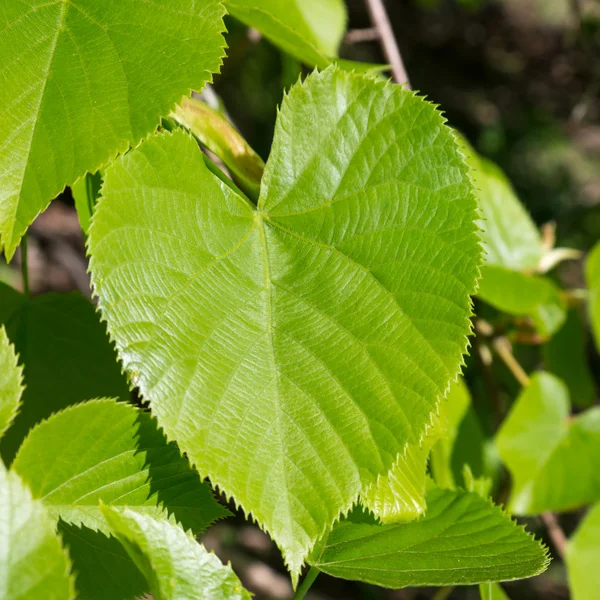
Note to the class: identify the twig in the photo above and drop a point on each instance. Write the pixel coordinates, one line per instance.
(381, 22)
(356, 36)
(559, 539)
(504, 349)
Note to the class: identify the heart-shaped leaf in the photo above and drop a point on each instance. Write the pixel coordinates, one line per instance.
(293, 349)
(83, 80)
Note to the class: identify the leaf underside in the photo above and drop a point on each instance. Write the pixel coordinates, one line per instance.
(83, 80)
(174, 564)
(554, 460)
(107, 451)
(33, 564)
(462, 540)
(293, 349)
(11, 382)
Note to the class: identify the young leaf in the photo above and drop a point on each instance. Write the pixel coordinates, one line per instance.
(554, 460)
(520, 294)
(110, 451)
(298, 345)
(174, 564)
(11, 382)
(309, 30)
(84, 80)
(583, 557)
(565, 356)
(592, 272)
(103, 569)
(66, 357)
(463, 539)
(33, 564)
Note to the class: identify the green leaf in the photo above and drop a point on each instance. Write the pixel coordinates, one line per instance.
(103, 569)
(84, 80)
(520, 294)
(554, 460)
(592, 272)
(66, 356)
(109, 451)
(462, 540)
(509, 236)
(583, 557)
(11, 382)
(309, 30)
(492, 591)
(175, 565)
(33, 564)
(86, 191)
(566, 357)
(257, 333)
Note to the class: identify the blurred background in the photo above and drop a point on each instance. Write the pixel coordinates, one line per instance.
(520, 79)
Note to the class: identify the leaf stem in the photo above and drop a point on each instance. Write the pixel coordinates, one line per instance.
(24, 266)
(381, 21)
(559, 539)
(504, 349)
(306, 583)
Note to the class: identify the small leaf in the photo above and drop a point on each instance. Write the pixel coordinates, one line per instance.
(583, 557)
(554, 460)
(11, 382)
(173, 562)
(109, 451)
(300, 344)
(520, 294)
(103, 569)
(86, 191)
(84, 80)
(592, 272)
(309, 30)
(566, 357)
(65, 353)
(463, 539)
(33, 564)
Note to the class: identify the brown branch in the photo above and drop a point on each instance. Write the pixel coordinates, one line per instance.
(557, 535)
(381, 22)
(356, 36)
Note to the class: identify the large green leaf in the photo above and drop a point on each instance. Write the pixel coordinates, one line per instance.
(103, 569)
(309, 30)
(82, 80)
(33, 564)
(583, 557)
(554, 460)
(66, 355)
(592, 272)
(520, 294)
(110, 451)
(463, 539)
(565, 355)
(11, 382)
(293, 349)
(175, 565)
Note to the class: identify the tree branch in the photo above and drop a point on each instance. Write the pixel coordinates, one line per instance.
(381, 22)
(559, 540)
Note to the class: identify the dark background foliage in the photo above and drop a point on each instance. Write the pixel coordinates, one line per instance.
(521, 79)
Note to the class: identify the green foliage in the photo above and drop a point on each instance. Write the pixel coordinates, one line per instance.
(175, 565)
(565, 356)
(85, 193)
(107, 451)
(463, 539)
(65, 353)
(492, 591)
(583, 557)
(554, 460)
(103, 569)
(11, 382)
(84, 80)
(257, 332)
(592, 272)
(33, 564)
